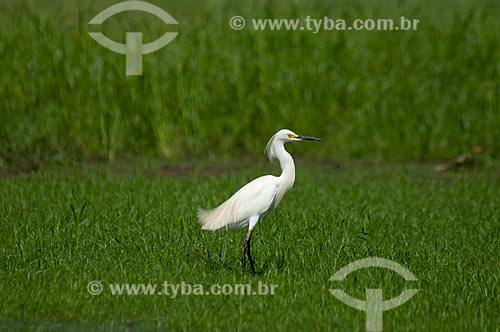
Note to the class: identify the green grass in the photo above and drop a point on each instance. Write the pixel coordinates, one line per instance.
(387, 96)
(214, 94)
(62, 230)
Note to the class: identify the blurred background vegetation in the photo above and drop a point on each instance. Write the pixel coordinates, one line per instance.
(382, 96)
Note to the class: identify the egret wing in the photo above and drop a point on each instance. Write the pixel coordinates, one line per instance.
(254, 199)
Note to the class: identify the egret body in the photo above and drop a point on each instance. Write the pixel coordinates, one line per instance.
(259, 197)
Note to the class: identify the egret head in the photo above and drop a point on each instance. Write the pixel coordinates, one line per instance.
(283, 136)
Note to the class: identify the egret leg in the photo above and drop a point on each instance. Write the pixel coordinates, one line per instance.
(246, 252)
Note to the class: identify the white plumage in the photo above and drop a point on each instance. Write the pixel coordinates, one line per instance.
(257, 198)
(254, 199)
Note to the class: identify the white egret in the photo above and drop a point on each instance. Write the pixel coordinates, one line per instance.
(257, 198)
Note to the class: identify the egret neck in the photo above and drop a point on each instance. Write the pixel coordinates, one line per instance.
(287, 177)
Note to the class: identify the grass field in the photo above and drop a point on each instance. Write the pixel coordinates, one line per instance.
(62, 230)
(101, 174)
(380, 95)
